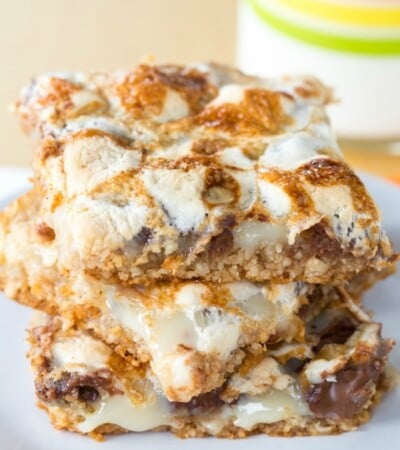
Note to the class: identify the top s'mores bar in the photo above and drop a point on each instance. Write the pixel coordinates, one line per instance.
(197, 171)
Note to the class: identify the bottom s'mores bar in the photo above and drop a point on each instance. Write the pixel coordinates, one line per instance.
(328, 384)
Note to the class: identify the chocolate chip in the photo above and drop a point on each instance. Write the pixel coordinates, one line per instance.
(229, 221)
(337, 332)
(202, 403)
(294, 365)
(144, 236)
(73, 384)
(321, 243)
(221, 244)
(136, 245)
(88, 394)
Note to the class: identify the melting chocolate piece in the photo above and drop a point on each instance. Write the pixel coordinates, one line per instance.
(136, 245)
(347, 395)
(144, 236)
(294, 365)
(221, 245)
(321, 244)
(337, 332)
(354, 386)
(229, 221)
(202, 403)
(83, 387)
(88, 394)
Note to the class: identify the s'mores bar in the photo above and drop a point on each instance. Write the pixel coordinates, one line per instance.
(194, 333)
(198, 249)
(197, 172)
(87, 388)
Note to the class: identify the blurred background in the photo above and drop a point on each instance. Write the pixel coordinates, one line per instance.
(51, 35)
(356, 49)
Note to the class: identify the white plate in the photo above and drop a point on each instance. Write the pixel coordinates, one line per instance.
(24, 427)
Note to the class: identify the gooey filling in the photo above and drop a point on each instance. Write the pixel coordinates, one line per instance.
(332, 375)
(83, 363)
(191, 324)
(246, 413)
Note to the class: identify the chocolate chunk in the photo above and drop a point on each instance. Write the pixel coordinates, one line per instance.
(354, 386)
(79, 386)
(136, 245)
(294, 365)
(88, 394)
(202, 403)
(321, 244)
(229, 221)
(337, 333)
(144, 236)
(347, 395)
(221, 244)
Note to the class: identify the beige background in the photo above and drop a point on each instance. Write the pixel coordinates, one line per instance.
(43, 35)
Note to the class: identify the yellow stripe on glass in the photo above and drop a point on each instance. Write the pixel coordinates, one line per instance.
(353, 13)
(323, 32)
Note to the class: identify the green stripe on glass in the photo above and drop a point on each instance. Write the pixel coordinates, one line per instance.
(333, 42)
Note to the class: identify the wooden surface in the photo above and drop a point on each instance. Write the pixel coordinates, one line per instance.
(377, 162)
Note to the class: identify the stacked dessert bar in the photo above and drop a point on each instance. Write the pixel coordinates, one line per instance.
(198, 248)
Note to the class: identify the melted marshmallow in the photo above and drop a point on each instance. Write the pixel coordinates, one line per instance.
(114, 224)
(248, 412)
(250, 236)
(205, 330)
(269, 408)
(179, 194)
(108, 125)
(80, 353)
(234, 157)
(274, 198)
(119, 410)
(291, 151)
(248, 187)
(230, 93)
(97, 161)
(174, 108)
(82, 98)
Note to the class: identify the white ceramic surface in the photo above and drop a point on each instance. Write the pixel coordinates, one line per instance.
(24, 427)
